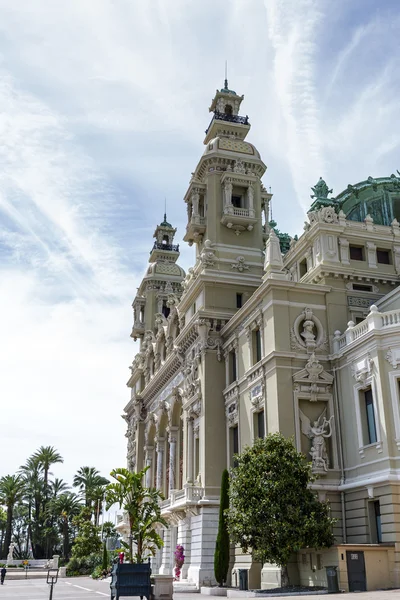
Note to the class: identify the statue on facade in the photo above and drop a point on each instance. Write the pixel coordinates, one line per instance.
(318, 431)
(308, 334)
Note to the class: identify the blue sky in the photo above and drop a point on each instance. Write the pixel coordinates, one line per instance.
(103, 107)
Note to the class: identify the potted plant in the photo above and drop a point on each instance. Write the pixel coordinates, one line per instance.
(142, 506)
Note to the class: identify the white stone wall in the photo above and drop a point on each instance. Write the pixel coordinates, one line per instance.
(204, 528)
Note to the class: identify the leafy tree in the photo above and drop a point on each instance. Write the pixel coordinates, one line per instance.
(105, 563)
(57, 487)
(12, 488)
(272, 511)
(222, 546)
(109, 532)
(91, 486)
(3, 526)
(88, 539)
(143, 509)
(40, 525)
(65, 507)
(45, 457)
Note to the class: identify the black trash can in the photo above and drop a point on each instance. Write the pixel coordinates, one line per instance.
(333, 582)
(243, 579)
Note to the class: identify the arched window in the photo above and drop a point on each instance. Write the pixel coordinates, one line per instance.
(165, 309)
(228, 109)
(165, 239)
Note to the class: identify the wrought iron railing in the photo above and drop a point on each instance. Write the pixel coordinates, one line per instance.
(220, 116)
(161, 246)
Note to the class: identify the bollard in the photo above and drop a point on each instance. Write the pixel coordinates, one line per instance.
(52, 576)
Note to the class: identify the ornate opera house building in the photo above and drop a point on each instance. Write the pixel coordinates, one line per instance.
(267, 333)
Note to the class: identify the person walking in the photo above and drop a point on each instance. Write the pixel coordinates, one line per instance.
(3, 575)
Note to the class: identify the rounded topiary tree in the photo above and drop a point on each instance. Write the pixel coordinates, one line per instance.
(222, 547)
(272, 511)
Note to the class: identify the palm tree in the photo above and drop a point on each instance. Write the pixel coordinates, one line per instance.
(57, 487)
(12, 489)
(31, 473)
(91, 485)
(45, 457)
(143, 508)
(64, 508)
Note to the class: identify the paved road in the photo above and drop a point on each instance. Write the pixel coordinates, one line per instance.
(84, 588)
(78, 588)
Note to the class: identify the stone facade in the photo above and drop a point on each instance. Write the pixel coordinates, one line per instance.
(266, 333)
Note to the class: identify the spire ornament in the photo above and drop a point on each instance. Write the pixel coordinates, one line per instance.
(320, 196)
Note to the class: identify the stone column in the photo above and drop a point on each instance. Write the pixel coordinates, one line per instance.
(160, 462)
(165, 567)
(227, 374)
(149, 458)
(185, 539)
(196, 433)
(250, 199)
(371, 255)
(172, 459)
(344, 250)
(189, 458)
(309, 259)
(195, 203)
(228, 187)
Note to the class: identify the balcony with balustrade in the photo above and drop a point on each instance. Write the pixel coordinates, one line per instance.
(238, 218)
(375, 322)
(184, 499)
(194, 229)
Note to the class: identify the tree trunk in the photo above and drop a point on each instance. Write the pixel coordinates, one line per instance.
(66, 540)
(284, 576)
(8, 536)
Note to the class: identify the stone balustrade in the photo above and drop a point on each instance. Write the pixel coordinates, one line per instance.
(374, 321)
(190, 494)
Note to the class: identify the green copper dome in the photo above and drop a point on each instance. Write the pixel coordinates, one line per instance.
(379, 198)
(165, 222)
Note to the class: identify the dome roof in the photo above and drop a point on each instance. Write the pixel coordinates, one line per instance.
(165, 268)
(231, 145)
(378, 197)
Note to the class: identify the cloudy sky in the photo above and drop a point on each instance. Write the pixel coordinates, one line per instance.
(103, 107)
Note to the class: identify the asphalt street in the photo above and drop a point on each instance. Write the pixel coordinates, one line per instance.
(78, 588)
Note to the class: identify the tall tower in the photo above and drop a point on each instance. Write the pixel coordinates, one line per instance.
(227, 209)
(162, 278)
(227, 204)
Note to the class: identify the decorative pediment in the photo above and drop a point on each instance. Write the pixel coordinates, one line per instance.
(313, 372)
(313, 379)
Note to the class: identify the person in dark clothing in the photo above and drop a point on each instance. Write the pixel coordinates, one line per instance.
(3, 575)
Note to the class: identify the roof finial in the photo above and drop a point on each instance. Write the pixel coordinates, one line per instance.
(226, 75)
(165, 209)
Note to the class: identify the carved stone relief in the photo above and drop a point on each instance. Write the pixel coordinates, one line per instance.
(307, 332)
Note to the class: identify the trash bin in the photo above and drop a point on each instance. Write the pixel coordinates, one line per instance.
(243, 579)
(332, 578)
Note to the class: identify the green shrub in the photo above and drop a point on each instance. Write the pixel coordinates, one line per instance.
(97, 573)
(222, 547)
(106, 558)
(84, 565)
